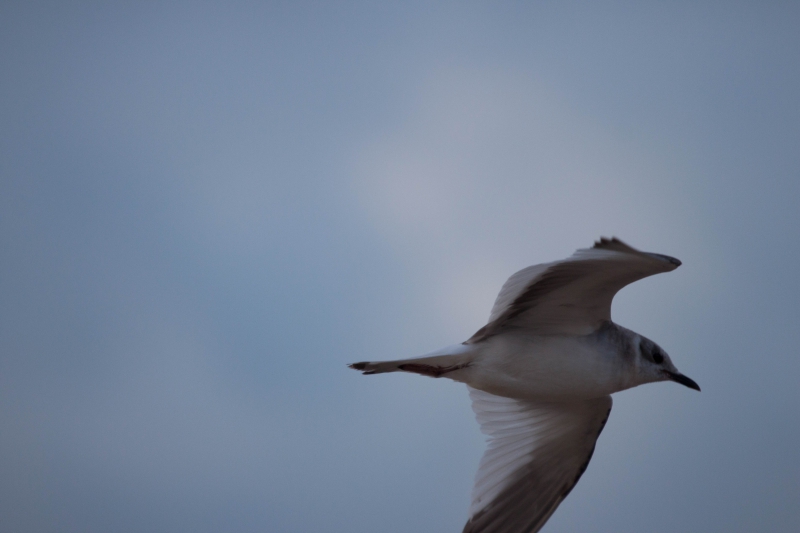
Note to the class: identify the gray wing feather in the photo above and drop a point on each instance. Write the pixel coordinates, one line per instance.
(572, 296)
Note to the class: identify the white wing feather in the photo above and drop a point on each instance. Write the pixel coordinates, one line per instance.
(535, 456)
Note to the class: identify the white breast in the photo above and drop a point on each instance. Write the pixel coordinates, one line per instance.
(554, 367)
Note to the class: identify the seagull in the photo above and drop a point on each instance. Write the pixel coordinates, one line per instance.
(540, 375)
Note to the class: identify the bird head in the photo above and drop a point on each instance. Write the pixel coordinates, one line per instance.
(655, 365)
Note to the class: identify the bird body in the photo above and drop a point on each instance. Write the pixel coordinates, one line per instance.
(553, 367)
(540, 374)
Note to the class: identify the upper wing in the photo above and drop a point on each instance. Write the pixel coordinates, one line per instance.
(537, 452)
(571, 296)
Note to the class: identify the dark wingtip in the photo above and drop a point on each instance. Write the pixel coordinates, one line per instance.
(669, 259)
(358, 366)
(604, 242)
(615, 244)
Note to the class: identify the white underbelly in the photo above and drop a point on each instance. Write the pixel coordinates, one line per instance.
(545, 367)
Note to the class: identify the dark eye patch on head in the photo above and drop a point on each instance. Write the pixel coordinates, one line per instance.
(651, 351)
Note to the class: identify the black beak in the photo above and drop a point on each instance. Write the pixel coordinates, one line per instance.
(683, 380)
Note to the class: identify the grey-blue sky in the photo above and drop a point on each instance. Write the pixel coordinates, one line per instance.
(207, 210)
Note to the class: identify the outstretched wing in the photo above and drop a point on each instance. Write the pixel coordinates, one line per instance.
(536, 454)
(572, 296)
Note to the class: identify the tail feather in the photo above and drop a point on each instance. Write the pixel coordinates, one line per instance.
(434, 364)
(378, 367)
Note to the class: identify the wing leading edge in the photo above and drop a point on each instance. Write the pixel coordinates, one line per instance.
(572, 296)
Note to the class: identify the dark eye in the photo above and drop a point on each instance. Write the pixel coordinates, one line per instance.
(658, 358)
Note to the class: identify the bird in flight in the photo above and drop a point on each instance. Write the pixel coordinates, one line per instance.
(540, 375)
